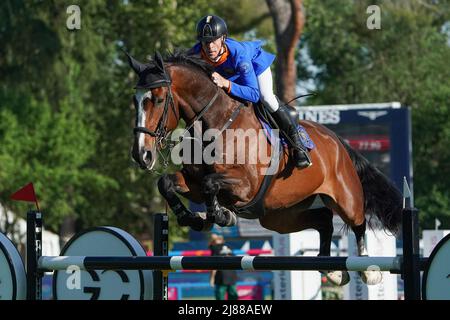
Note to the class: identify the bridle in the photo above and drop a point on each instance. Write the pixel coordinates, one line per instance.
(161, 133)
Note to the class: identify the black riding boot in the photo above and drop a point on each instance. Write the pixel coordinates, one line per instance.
(288, 125)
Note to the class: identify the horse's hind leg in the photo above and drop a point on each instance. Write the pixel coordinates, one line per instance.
(325, 229)
(351, 209)
(369, 277)
(169, 185)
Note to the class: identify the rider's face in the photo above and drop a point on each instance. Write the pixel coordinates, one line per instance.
(213, 48)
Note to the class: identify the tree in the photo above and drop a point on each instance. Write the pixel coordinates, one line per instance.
(66, 112)
(406, 61)
(288, 19)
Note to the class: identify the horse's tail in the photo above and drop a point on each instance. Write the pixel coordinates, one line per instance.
(381, 197)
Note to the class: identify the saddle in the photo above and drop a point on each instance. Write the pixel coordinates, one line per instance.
(255, 208)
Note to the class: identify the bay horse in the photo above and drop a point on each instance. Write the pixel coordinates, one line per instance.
(180, 87)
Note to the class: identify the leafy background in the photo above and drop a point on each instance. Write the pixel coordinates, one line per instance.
(65, 96)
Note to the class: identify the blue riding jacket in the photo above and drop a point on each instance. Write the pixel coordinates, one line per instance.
(243, 63)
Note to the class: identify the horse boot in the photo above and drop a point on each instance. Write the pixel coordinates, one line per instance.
(288, 125)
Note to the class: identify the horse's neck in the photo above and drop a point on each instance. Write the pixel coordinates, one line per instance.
(220, 111)
(196, 91)
(196, 99)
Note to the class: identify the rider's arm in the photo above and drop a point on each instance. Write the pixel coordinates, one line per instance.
(245, 85)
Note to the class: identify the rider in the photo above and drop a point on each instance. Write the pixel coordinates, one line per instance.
(243, 70)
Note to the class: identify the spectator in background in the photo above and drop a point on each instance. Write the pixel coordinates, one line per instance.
(223, 281)
(216, 243)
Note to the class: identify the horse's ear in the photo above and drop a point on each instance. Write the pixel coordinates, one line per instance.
(137, 66)
(159, 61)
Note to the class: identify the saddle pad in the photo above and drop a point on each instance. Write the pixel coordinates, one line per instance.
(304, 136)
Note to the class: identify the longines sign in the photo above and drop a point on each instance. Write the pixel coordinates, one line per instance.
(320, 116)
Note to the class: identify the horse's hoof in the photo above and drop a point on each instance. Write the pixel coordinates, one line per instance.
(338, 278)
(226, 218)
(371, 277)
(232, 219)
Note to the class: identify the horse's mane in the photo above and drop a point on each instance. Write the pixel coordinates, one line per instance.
(183, 57)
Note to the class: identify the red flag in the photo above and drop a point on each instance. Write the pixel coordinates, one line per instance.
(26, 194)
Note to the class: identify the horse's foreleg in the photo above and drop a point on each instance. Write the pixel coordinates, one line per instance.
(369, 277)
(169, 185)
(216, 213)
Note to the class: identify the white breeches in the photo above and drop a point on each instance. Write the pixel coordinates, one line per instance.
(265, 83)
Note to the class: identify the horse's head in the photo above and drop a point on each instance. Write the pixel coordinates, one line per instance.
(156, 113)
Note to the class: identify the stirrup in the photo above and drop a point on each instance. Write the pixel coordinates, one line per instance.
(301, 158)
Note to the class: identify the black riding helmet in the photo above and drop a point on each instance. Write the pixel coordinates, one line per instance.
(210, 28)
